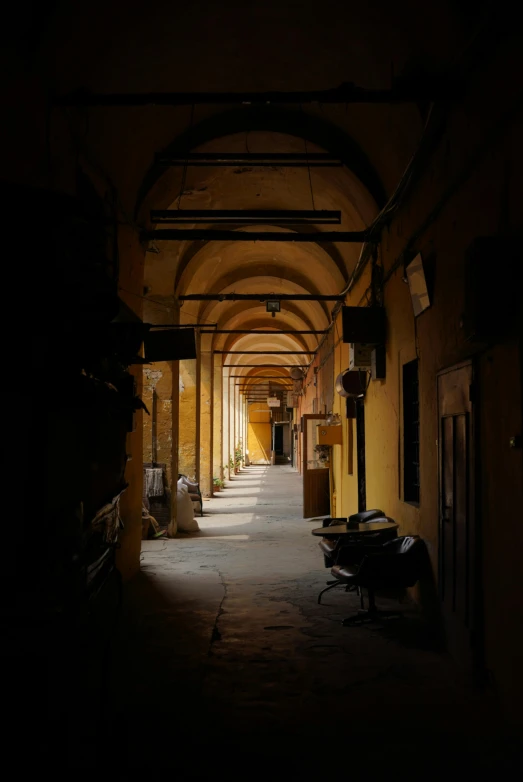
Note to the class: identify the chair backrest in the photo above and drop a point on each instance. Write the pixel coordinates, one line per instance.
(366, 515)
(406, 544)
(400, 562)
(330, 522)
(382, 535)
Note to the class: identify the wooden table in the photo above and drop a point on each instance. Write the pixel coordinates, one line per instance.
(342, 530)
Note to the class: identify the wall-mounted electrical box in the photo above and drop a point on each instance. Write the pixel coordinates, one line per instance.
(377, 367)
(360, 355)
(363, 325)
(329, 435)
(292, 400)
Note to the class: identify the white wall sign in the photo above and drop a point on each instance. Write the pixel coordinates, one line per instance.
(418, 286)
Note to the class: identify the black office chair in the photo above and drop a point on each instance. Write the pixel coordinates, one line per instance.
(352, 552)
(396, 564)
(329, 547)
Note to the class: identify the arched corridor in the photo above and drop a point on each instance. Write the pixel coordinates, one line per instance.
(270, 251)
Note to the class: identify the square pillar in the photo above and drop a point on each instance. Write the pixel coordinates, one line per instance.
(217, 402)
(206, 411)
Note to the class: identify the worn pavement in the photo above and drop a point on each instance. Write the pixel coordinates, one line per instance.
(223, 664)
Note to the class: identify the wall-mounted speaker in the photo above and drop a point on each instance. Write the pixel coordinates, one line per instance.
(351, 383)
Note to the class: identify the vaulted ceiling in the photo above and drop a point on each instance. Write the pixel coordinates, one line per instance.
(228, 46)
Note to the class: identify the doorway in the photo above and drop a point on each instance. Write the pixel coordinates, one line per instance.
(458, 527)
(278, 439)
(316, 486)
(281, 442)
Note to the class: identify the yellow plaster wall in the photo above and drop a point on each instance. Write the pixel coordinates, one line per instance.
(438, 338)
(158, 377)
(383, 420)
(259, 433)
(218, 462)
(187, 418)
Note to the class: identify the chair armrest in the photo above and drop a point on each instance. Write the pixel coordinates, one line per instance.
(350, 553)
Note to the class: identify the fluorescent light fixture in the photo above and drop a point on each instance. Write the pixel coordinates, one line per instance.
(249, 216)
(259, 159)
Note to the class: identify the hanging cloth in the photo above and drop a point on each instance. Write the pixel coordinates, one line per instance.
(154, 482)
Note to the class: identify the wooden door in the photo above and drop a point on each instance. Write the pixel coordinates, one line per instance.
(458, 538)
(278, 439)
(316, 494)
(360, 455)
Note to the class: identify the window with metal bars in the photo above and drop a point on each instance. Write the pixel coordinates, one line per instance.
(411, 482)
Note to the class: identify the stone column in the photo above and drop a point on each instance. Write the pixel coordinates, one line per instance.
(246, 414)
(231, 419)
(244, 419)
(175, 405)
(160, 394)
(240, 419)
(188, 419)
(131, 282)
(225, 421)
(206, 430)
(217, 400)
(234, 418)
(175, 417)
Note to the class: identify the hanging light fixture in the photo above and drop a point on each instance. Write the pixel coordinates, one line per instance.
(273, 306)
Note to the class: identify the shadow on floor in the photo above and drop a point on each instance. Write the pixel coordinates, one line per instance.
(410, 632)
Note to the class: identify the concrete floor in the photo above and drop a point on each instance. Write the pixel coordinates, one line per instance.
(223, 662)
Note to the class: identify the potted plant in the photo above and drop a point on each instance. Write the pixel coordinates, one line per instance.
(237, 459)
(231, 465)
(217, 484)
(324, 453)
